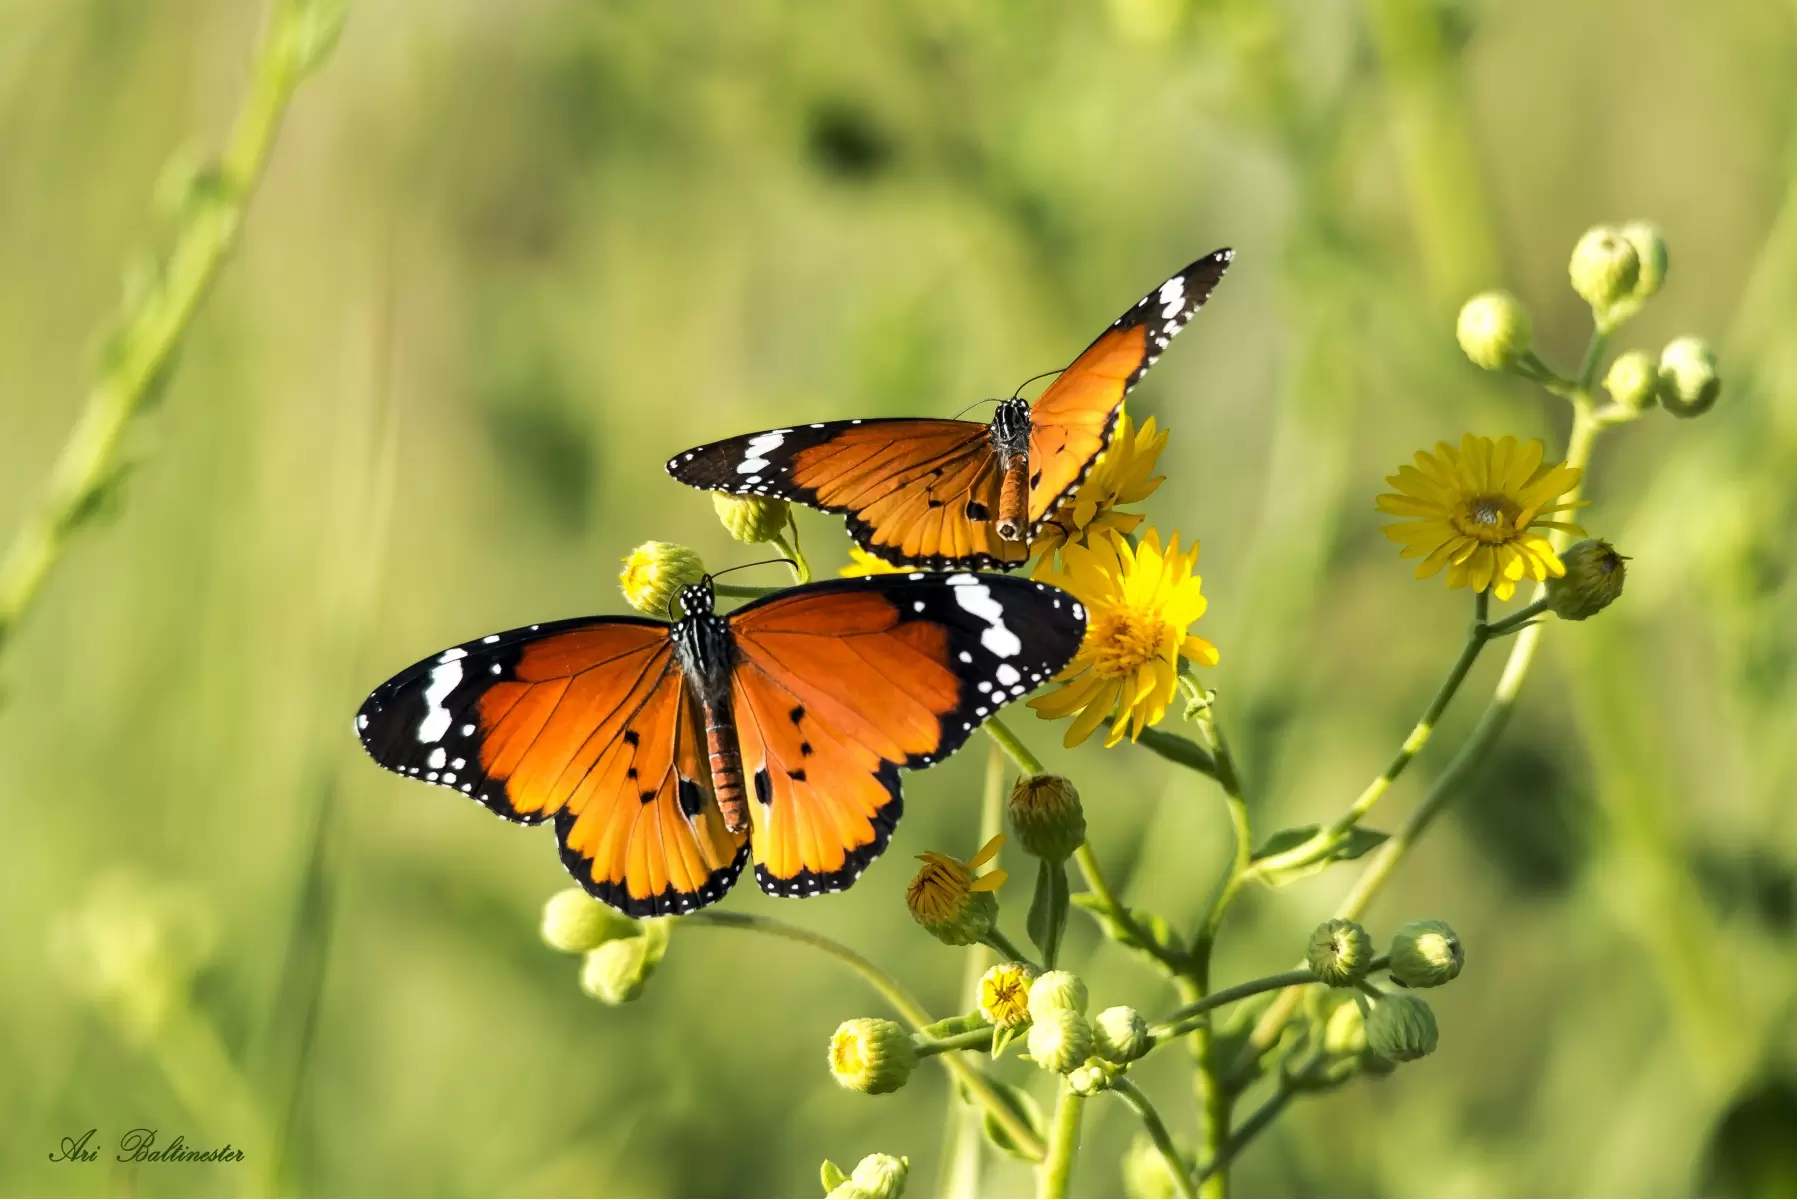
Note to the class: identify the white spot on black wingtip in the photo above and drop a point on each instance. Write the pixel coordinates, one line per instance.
(468, 730)
(361, 720)
(490, 639)
(438, 757)
(495, 669)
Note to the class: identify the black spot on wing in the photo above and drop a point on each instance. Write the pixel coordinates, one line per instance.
(692, 797)
(764, 787)
(424, 722)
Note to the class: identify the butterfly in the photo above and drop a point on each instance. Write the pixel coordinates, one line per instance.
(666, 754)
(956, 495)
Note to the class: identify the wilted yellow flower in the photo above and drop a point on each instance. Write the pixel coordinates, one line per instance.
(863, 563)
(1005, 995)
(947, 898)
(1139, 602)
(1475, 509)
(1123, 474)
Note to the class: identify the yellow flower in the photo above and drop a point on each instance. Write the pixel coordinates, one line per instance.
(655, 572)
(951, 902)
(863, 563)
(1123, 474)
(1476, 509)
(1005, 995)
(1139, 602)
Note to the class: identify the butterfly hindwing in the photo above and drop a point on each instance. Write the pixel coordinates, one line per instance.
(840, 684)
(1072, 422)
(916, 491)
(582, 720)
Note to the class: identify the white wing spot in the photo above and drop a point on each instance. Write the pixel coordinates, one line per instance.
(984, 685)
(758, 449)
(965, 657)
(1007, 674)
(918, 605)
(976, 598)
(451, 654)
(436, 718)
(438, 757)
(490, 638)
(361, 720)
(468, 730)
(495, 668)
(1173, 297)
(459, 763)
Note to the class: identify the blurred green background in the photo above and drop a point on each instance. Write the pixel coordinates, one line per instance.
(510, 257)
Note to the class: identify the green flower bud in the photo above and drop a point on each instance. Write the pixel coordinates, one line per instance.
(1092, 1077)
(872, 1055)
(1345, 1031)
(1425, 954)
(1057, 990)
(1060, 1040)
(1146, 1175)
(1650, 250)
(876, 1177)
(1592, 582)
(1604, 268)
(1375, 1066)
(1120, 1035)
(1634, 380)
(654, 572)
(615, 972)
(1046, 813)
(1340, 952)
(1005, 995)
(1493, 330)
(1689, 383)
(751, 519)
(1401, 1027)
(574, 922)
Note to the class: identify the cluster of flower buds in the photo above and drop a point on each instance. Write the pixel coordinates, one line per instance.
(618, 954)
(1380, 1027)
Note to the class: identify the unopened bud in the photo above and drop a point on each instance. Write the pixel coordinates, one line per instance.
(1650, 250)
(1593, 580)
(1046, 813)
(1634, 380)
(872, 1055)
(1120, 1035)
(1340, 952)
(654, 572)
(1401, 1027)
(1493, 330)
(1060, 1040)
(1091, 1077)
(876, 1177)
(1689, 382)
(1056, 991)
(1604, 268)
(615, 972)
(1425, 954)
(574, 922)
(751, 519)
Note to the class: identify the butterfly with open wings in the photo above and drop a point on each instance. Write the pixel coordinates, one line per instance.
(959, 495)
(667, 754)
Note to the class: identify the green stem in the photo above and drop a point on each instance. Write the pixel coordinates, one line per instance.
(902, 1002)
(1157, 1132)
(999, 942)
(1183, 751)
(1257, 1121)
(148, 336)
(1516, 620)
(1001, 733)
(801, 570)
(742, 591)
(972, 1039)
(1179, 1020)
(1063, 1144)
(1326, 839)
(1384, 861)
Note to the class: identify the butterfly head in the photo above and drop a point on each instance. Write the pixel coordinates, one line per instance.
(1011, 426)
(697, 599)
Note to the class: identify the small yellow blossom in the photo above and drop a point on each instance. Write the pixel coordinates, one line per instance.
(950, 901)
(655, 572)
(1005, 995)
(1140, 602)
(1123, 474)
(863, 563)
(1476, 510)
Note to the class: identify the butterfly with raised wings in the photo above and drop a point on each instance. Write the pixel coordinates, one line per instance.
(957, 495)
(667, 754)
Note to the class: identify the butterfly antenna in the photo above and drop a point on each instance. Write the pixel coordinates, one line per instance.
(970, 408)
(1033, 379)
(766, 562)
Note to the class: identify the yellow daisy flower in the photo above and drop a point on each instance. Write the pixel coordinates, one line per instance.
(1139, 604)
(863, 563)
(1123, 474)
(1475, 510)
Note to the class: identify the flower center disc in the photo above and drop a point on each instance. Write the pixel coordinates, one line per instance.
(1488, 518)
(1125, 640)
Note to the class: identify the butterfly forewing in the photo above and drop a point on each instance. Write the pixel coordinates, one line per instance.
(840, 684)
(1072, 422)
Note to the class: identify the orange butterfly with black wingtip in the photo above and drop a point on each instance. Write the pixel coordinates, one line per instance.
(953, 495)
(668, 753)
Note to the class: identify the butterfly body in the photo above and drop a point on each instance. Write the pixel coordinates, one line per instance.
(669, 755)
(960, 495)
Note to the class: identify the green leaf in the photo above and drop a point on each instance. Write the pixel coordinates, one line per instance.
(1183, 751)
(1356, 842)
(1155, 938)
(1048, 910)
(831, 1176)
(950, 1026)
(1004, 1037)
(1027, 1110)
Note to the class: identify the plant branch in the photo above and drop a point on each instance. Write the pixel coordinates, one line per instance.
(1063, 1144)
(1157, 1132)
(1177, 1021)
(902, 1002)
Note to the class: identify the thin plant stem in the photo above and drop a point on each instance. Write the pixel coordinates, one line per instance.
(801, 569)
(1001, 733)
(972, 1039)
(742, 591)
(894, 993)
(1157, 1133)
(151, 332)
(1390, 853)
(1176, 1022)
(1063, 1145)
(1249, 1129)
(1327, 838)
(1005, 946)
